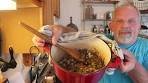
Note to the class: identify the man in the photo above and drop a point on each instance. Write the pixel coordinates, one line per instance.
(125, 26)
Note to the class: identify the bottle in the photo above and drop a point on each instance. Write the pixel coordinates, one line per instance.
(108, 15)
(87, 10)
(101, 28)
(94, 29)
(106, 30)
(72, 25)
(91, 12)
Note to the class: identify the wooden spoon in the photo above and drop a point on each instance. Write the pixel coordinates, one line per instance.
(72, 52)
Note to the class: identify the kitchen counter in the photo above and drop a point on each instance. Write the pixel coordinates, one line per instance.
(21, 74)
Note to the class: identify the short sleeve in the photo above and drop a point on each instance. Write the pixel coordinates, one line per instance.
(145, 61)
(145, 58)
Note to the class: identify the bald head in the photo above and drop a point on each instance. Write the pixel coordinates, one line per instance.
(127, 6)
(125, 24)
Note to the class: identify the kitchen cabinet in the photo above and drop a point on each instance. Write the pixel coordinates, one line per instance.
(29, 3)
(56, 8)
(51, 8)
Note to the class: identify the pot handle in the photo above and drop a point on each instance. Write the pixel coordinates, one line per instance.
(113, 65)
(116, 53)
(116, 58)
(114, 62)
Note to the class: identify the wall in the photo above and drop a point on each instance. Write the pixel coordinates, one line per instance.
(74, 8)
(70, 8)
(14, 34)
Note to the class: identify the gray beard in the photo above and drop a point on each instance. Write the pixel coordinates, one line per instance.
(125, 38)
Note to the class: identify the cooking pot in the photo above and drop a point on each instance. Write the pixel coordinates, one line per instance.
(74, 77)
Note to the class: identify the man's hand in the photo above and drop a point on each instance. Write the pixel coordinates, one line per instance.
(57, 31)
(53, 31)
(129, 61)
(38, 41)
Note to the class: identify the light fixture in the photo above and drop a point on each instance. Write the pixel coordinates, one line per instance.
(7, 4)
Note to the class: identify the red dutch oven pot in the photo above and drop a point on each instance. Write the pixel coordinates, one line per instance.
(74, 77)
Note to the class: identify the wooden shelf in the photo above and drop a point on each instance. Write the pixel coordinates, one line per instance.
(100, 2)
(144, 36)
(144, 11)
(95, 20)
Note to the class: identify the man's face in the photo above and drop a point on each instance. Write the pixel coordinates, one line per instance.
(125, 25)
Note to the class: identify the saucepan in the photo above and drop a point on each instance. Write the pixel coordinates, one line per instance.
(109, 58)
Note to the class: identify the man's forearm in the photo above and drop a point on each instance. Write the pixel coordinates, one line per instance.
(139, 74)
(64, 29)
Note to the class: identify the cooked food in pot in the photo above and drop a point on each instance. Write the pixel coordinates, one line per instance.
(92, 62)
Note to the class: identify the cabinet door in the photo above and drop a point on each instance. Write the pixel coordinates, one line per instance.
(28, 3)
(47, 12)
(50, 8)
(37, 2)
(56, 8)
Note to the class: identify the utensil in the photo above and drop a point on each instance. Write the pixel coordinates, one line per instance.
(72, 52)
